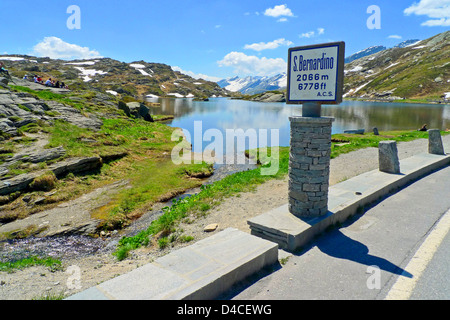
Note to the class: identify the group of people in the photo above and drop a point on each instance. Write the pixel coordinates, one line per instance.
(49, 83)
(37, 79)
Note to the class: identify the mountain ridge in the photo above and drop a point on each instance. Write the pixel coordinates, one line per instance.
(138, 78)
(254, 84)
(418, 70)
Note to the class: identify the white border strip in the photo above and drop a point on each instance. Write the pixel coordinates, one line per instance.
(404, 286)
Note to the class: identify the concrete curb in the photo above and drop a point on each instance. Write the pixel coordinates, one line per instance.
(345, 199)
(201, 271)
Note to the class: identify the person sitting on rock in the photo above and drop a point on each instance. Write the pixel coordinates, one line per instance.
(3, 69)
(48, 83)
(424, 128)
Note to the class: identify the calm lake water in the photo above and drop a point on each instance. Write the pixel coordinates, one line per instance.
(223, 113)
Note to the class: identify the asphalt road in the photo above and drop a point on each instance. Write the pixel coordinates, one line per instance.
(365, 258)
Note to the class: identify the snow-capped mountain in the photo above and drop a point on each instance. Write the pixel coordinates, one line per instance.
(254, 85)
(375, 49)
(364, 53)
(407, 43)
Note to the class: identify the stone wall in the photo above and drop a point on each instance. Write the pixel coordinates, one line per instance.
(309, 166)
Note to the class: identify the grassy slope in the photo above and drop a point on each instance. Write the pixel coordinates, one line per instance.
(143, 151)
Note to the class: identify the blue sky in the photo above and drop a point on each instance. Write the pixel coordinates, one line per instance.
(213, 38)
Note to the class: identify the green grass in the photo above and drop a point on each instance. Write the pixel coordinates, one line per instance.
(148, 166)
(197, 205)
(356, 142)
(51, 263)
(49, 95)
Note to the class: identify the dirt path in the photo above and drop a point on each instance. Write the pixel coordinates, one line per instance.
(232, 212)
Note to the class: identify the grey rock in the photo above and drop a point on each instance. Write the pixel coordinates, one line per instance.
(388, 157)
(139, 110)
(435, 145)
(47, 155)
(123, 106)
(4, 82)
(17, 183)
(74, 165)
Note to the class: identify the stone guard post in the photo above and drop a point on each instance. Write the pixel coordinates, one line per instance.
(309, 169)
(309, 166)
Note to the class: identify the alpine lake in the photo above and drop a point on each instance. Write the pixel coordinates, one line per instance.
(222, 114)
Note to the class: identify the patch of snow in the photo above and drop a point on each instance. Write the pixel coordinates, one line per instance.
(85, 63)
(447, 95)
(114, 93)
(355, 69)
(144, 72)
(152, 96)
(392, 64)
(12, 58)
(88, 73)
(176, 95)
(198, 83)
(190, 95)
(414, 44)
(359, 88)
(137, 66)
(419, 47)
(349, 92)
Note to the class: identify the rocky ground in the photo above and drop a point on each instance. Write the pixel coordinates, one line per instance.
(87, 262)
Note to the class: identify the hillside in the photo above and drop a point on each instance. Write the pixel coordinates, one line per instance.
(137, 79)
(417, 71)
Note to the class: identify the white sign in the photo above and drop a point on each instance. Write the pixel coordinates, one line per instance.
(316, 73)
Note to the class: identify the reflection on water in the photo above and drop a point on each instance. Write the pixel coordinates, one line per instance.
(223, 114)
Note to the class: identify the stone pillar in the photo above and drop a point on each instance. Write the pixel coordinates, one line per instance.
(309, 170)
(435, 142)
(388, 157)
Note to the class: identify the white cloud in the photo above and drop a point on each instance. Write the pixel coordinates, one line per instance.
(437, 23)
(252, 65)
(279, 11)
(394, 36)
(56, 48)
(307, 34)
(196, 75)
(282, 20)
(269, 45)
(437, 10)
(311, 34)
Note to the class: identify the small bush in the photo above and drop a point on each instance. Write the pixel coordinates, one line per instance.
(23, 108)
(15, 118)
(46, 182)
